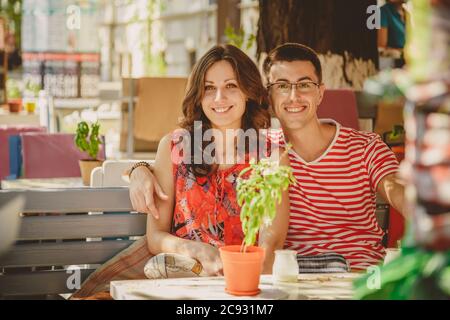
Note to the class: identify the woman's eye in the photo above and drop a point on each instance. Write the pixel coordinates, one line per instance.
(231, 86)
(209, 88)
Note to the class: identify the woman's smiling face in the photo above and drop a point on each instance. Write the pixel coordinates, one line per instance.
(223, 101)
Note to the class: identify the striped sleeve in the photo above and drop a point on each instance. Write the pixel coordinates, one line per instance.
(380, 161)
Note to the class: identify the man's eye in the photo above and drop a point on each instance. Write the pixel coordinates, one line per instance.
(282, 86)
(209, 88)
(305, 85)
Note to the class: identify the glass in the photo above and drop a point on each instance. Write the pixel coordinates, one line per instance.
(30, 106)
(284, 87)
(285, 266)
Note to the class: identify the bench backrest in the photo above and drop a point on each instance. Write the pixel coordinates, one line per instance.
(111, 171)
(57, 227)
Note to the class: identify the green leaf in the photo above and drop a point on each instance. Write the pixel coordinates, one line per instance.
(259, 193)
(86, 142)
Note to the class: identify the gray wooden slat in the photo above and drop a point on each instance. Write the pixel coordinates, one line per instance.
(82, 226)
(39, 282)
(65, 253)
(72, 199)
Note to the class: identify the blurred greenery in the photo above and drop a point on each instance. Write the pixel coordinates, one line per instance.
(396, 132)
(239, 38)
(32, 87)
(154, 62)
(12, 10)
(13, 89)
(415, 274)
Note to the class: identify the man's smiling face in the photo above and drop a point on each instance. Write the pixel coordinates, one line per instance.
(298, 107)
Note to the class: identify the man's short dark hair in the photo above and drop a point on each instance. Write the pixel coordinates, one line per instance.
(292, 52)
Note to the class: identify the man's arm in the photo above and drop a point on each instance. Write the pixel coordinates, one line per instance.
(143, 188)
(393, 192)
(273, 237)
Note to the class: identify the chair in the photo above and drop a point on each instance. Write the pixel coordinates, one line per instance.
(340, 105)
(5, 133)
(51, 155)
(62, 233)
(110, 173)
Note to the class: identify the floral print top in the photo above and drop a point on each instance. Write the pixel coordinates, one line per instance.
(206, 208)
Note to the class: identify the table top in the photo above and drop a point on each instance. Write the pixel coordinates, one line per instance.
(327, 286)
(22, 118)
(47, 183)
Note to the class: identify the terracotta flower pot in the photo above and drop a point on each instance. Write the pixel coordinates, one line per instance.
(86, 167)
(242, 270)
(14, 107)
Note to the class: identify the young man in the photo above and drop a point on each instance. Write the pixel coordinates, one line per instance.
(339, 170)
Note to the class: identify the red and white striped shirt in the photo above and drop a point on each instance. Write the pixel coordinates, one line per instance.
(332, 207)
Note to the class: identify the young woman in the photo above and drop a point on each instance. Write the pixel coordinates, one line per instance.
(200, 212)
(225, 93)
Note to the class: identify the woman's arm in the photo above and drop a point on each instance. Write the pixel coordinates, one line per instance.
(158, 230)
(272, 237)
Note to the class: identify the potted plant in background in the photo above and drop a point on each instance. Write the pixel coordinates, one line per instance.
(31, 93)
(258, 196)
(13, 95)
(87, 140)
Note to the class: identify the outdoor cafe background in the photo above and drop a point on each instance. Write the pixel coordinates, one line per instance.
(82, 54)
(85, 74)
(82, 71)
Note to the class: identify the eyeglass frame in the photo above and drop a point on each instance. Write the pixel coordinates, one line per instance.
(269, 85)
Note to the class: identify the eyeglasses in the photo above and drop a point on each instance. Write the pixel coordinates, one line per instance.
(284, 87)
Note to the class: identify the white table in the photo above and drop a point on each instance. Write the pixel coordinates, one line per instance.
(22, 118)
(47, 183)
(309, 286)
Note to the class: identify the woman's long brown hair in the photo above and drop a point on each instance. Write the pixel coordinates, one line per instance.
(256, 115)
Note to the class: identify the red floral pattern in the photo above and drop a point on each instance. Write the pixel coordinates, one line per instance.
(206, 208)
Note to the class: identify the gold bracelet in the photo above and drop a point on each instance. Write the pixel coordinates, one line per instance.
(140, 164)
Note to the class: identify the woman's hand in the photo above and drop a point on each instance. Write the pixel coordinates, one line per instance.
(143, 187)
(208, 256)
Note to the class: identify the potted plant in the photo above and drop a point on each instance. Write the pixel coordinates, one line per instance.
(13, 95)
(258, 196)
(87, 140)
(31, 93)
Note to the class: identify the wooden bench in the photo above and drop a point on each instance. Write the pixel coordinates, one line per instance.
(57, 227)
(54, 232)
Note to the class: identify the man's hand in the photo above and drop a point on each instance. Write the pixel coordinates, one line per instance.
(143, 186)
